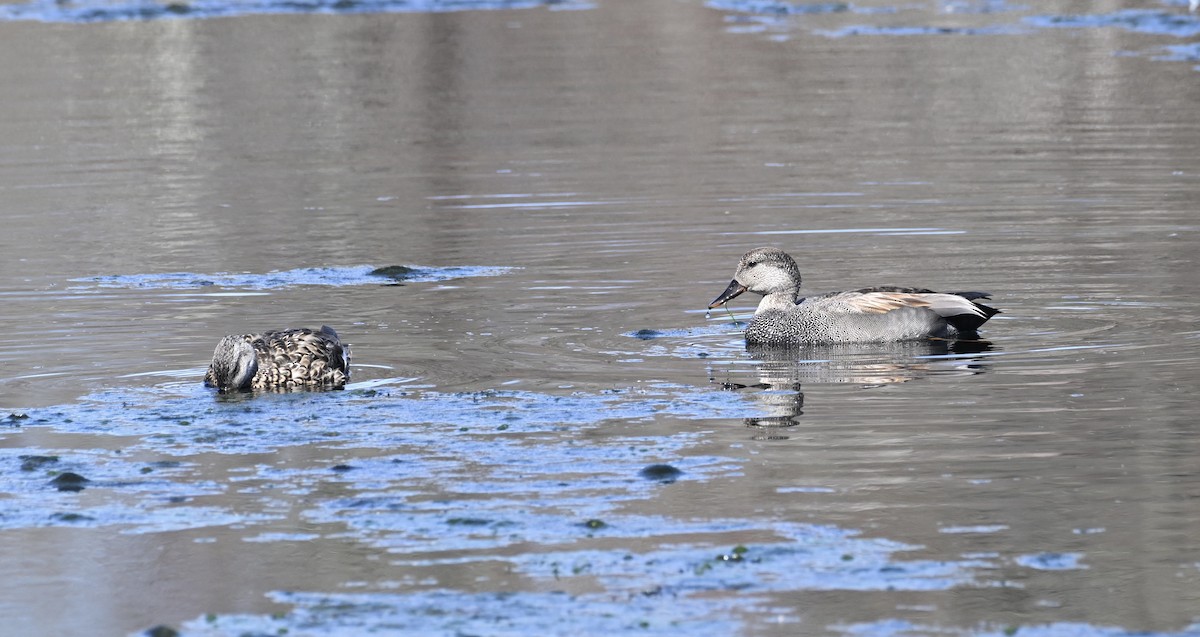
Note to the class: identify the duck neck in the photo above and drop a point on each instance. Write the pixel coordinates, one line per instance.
(782, 301)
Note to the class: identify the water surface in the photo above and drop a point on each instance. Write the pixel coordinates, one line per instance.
(546, 433)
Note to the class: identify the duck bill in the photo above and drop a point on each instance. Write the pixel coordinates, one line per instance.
(733, 290)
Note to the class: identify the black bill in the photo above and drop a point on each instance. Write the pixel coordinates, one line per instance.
(733, 290)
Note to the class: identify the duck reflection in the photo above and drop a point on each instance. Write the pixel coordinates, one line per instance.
(783, 370)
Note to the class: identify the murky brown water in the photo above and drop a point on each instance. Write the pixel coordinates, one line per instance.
(619, 158)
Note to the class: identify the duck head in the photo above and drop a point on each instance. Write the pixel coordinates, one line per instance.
(764, 271)
(234, 364)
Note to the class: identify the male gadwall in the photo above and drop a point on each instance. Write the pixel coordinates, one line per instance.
(870, 315)
(283, 359)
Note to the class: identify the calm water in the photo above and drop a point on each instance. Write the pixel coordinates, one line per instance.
(576, 182)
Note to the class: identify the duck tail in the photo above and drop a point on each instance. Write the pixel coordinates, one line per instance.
(969, 323)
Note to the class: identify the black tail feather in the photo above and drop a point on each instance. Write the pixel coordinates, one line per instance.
(969, 323)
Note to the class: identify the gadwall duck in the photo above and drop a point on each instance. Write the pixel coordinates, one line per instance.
(869, 315)
(283, 359)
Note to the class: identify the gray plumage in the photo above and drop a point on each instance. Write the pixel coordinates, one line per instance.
(284, 359)
(869, 315)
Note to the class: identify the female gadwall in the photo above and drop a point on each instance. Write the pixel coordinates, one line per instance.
(869, 315)
(283, 359)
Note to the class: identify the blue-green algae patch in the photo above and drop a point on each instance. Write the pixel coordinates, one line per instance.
(777, 8)
(1152, 21)
(710, 330)
(502, 495)
(918, 30)
(279, 279)
(806, 557)
(904, 628)
(1181, 53)
(954, 18)
(131, 495)
(693, 589)
(101, 11)
(446, 488)
(451, 613)
(1052, 561)
(186, 418)
(506, 459)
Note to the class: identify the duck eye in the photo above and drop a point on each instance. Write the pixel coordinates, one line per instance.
(752, 264)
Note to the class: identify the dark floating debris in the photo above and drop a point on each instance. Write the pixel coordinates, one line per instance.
(72, 517)
(69, 481)
(161, 630)
(33, 463)
(595, 524)
(341, 468)
(394, 272)
(468, 522)
(646, 335)
(663, 473)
